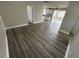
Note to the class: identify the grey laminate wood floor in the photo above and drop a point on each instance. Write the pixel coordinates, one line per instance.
(36, 41)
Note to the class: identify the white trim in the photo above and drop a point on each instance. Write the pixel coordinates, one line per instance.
(21, 25)
(64, 31)
(7, 48)
(67, 51)
(37, 22)
(15, 26)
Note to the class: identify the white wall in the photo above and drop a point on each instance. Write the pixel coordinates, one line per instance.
(15, 13)
(71, 23)
(71, 16)
(73, 51)
(37, 11)
(3, 41)
(75, 28)
(58, 4)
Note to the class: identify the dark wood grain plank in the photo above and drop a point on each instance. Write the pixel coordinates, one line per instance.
(37, 41)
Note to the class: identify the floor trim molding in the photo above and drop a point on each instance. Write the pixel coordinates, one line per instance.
(64, 31)
(15, 26)
(21, 25)
(67, 51)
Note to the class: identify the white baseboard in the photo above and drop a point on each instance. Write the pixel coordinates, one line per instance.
(15, 26)
(64, 31)
(21, 25)
(67, 51)
(37, 22)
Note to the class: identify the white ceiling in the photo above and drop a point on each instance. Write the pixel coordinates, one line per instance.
(58, 4)
(50, 4)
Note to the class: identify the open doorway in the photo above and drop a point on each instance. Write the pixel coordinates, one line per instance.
(57, 19)
(29, 14)
(54, 17)
(47, 14)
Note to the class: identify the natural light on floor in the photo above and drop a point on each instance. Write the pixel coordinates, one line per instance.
(57, 19)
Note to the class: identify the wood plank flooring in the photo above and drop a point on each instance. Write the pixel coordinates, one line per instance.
(36, 41)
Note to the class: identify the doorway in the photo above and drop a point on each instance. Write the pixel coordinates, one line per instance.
(57, 19)
(29, 14)
(47, 14)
